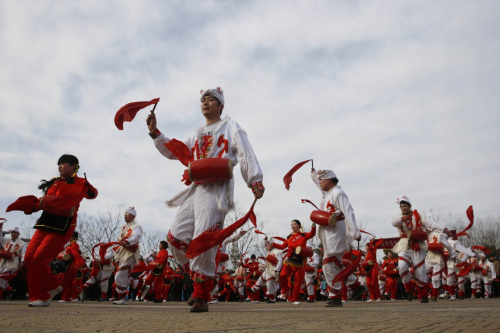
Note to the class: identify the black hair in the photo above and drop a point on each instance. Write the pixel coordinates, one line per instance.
(404, 202)
(335, 180)
(298, 222)
(75, 234)
(66, 158)
(164, 244)
(253, 256)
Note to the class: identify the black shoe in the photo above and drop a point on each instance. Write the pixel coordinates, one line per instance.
(269, 301)
(424, 300)
(334, 302)
(357, 292)
(410, 296)
(199, 305)
(10, 294)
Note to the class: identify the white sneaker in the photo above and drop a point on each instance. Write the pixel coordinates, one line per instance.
(344, 301)
(378, 299)
(75, 300)
(214, 301)
(62, 301)
(453, 297)
(54, 292)
(369, 300)
(164, 301)
(296, 303)
(145, 300)
(282, 296)
(136, 298)
(39, 304)
(255, 301)
(122, 301)
(112, 299)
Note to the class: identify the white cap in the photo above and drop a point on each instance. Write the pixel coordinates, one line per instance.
(217, 93)
(16, 229)
(131, 211)
(403, 198)
(326, 174)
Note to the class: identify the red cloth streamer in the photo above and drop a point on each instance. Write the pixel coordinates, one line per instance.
(26, 204)
(470, 216)
(305, 200)
(288, 177)
(2, 219)
(180, 150)
(482, 248)
(279, 238)
(128, 111)
(260, 232)
(208, 239)
(348, 270)
(366, 232)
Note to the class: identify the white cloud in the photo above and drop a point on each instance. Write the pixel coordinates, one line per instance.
(398, 98)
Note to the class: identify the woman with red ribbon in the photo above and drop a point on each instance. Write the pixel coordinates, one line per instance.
(293, 264)
(60, 203)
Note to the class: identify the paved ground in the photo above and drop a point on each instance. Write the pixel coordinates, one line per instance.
(471, 315)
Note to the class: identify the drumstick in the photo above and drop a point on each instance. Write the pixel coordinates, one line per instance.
(152, 112)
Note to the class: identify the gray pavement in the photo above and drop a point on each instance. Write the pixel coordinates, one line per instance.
(471, 315)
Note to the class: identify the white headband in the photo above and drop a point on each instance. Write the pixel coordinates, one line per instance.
(217, 93)
(403, 198)
(326, 174)
(131, 211)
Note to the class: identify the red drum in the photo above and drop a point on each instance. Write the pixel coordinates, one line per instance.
(367, 263)
(240, 278)
(6, 255)
(223, 257)
(304, 251)
(436, 247)
(155, 268)
(63, 256)
(210, 170)
(272, 259)
(324, 218)
(310, 269)
(417, 235)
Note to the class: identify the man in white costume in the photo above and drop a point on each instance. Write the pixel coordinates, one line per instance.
(336, 239)
(203, 207)
(9, 266)
(439, 250)
(270, 272)
(412, 249)
(101, 271)
(310, 276)
(487, 274)
(127, 254)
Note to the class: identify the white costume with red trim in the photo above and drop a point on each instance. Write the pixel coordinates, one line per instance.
(204, 207)
(131, 234)
(487, 274)
(310, 276)
(270, 275)
(9, 267)
(336, 239)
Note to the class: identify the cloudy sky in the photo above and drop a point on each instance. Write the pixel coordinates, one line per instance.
(397, 97)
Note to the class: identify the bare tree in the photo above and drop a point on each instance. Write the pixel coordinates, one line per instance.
(150, 240)
(101, 229)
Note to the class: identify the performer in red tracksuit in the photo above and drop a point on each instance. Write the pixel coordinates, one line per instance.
(371, 266)
(161, 260)
(68, 279)
(252, 266)
(168, 278)
(227, 285)
(390, 269)
(60, 203)
(293, 263)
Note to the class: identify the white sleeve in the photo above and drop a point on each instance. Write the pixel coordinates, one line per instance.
(314, 176)
(160, 142)
(350, 220)
(279, 255)
(22, 250)
(135, 237)
(396, 222)
(249, 165)
(444, 241)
